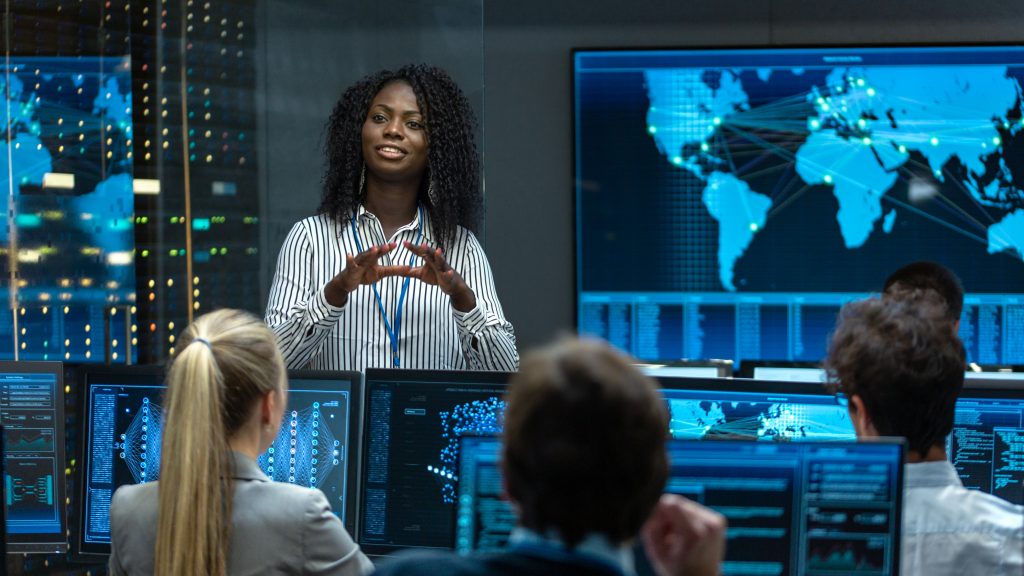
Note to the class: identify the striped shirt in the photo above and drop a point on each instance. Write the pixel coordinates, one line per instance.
(314, 334)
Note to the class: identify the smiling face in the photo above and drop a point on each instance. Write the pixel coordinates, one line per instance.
(395, 135)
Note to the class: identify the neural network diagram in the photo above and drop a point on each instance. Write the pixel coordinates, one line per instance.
(140, 443)
(305, 451)
(476, 417)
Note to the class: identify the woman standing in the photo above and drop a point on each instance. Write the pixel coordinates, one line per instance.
(389, 273)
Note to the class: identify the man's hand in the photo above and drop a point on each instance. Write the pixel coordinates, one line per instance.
(683, 538)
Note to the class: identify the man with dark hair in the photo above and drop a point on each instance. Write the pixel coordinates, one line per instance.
(901, 367)
(585, 465)
(926, 275)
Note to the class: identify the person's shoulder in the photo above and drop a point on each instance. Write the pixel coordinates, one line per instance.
(134, 504)
(130, 494)
(430, 563)
(319, 221)
(288, 498)
(995, 513)
(502, 563)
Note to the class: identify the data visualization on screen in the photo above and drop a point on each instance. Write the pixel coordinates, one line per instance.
(411, 447)
(987, 443)
(124, 422)
(751, 409)
(32, 416)
(761, 189)
(804, 509)
(798, 508)
(483, 518)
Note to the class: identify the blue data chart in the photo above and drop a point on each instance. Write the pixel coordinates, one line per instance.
(124, 433)
(781, 416)
(798, 509)
(414, 420)
(31, 411)
(987, 443)
(758, 190)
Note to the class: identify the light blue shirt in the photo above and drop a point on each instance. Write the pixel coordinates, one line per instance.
(950, 530)
(593, 548)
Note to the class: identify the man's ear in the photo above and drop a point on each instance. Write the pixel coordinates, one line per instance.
(861, 419)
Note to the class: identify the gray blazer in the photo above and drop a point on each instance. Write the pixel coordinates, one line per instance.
(277, 529)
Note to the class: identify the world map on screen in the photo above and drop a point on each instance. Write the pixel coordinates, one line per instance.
(855, 131)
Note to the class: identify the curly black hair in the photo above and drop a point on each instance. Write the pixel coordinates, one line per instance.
(453, 165)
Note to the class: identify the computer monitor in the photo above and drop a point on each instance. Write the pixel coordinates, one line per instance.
(798, 508)
(987, 443)
(123, 421)
(32, 414)
(754, 409)
(793, 508)
(410, 450)
(782, 370)
(689, 369)
(769, 186)
(995, 375)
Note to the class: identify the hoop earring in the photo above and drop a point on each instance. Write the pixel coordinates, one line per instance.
(431, 193)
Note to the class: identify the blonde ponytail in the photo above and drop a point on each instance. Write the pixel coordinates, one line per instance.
(228, 359)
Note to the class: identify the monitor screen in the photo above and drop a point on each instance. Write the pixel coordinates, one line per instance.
(483, 518)
(32, 415)
(1019, 376)
(793, 508)
(779, 183)
(987, 443)
(798, 508)
(410, 449)
(682, 371)
(793, 374)
(123, 421)
(751, 409)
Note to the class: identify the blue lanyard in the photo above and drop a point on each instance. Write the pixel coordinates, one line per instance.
(392, 333)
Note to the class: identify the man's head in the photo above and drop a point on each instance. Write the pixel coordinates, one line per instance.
(926, 275)
(900, 366)
(584, 448)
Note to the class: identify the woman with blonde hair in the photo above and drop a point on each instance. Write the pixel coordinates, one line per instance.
(213, 511)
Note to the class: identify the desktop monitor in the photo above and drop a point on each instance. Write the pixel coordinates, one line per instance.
(689, 369)
(766, 187)
(793, 508)
(987, 443)
(754, 409)
(32, 414)
(123, 421)
(410, 449)
(783, 370)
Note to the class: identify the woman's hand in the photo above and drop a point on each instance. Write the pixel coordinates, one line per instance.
(362, 268)
(436, 271)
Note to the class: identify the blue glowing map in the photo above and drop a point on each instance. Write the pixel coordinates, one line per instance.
(69, 165)
(854, 131)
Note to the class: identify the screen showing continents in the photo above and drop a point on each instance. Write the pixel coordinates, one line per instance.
(730, 201)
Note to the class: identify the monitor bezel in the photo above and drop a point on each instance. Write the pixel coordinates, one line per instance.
(353, 467)
(747, 367)
(86, 373)
(744, 385)
(130, 375)
(899, 471)
(573, 123)
(57, 369)
(463, 438)
(372, 377)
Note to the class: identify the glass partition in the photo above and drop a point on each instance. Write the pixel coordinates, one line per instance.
(157, 152)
